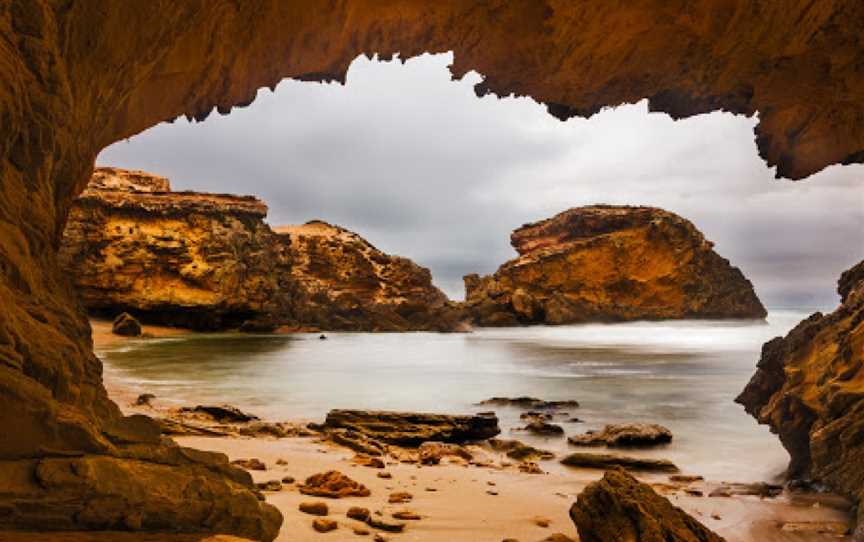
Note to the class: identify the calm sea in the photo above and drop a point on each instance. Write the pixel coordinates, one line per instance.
(682, 374)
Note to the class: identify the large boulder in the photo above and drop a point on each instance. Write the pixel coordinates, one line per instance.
(603, 263)
(809, 389)
(619, 508)
(412, 429)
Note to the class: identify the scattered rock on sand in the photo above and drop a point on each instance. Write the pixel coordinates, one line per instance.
(288, 480)
(250, 464)
(412, 429)
(126, 325)
(358, 513)
(270, 485)
(324, 525)
(539, 427)
(406, 515)
(431, 453)
(625, 434)
(316, 508)
(368, 461)
(619, 508)
(334, 485)
(385, 475)
(519, 451)
(400, 497)
(383, 525)
(222, 413)
(529, 403)
(378, 538)
(541, 521)
(608, 461)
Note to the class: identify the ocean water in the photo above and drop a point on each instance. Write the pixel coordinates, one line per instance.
(682, 374)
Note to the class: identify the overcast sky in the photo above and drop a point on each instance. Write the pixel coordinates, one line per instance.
(421, 167)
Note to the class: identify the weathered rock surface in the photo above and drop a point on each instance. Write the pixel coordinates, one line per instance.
(609, 461)
(345, 283)
(525, 402)
(605, 263)
(619, 508)
(334, 485)
(519, 451)
(623, 435)
(126, 325)
(206, 261)
(75, 79)
(809, 389)
(412, 429)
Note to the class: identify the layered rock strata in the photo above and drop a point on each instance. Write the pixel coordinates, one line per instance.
(412, 429)
(205, 261)
(809, 389)
(606, 263)
(344, 283)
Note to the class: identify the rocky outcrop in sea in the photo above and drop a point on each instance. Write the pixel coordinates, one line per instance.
(608, 263)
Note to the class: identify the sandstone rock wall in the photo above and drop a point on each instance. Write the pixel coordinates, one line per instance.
(809, 389)
(343, 282)
(79, 76)
(205, 261)
(606, 263)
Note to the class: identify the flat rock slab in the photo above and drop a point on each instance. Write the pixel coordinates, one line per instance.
(609, 461)
(625, 434)
(412, 429)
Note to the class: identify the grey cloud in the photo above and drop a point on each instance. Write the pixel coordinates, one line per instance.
(421, 167)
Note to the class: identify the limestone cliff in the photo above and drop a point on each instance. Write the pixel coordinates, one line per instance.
(344, 282)
(809, 388)
(605, 263)
(79, 76)
(206, 261)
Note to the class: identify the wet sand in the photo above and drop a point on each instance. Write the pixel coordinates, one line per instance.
(456, 502)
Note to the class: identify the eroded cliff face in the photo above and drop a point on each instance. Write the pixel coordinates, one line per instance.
(205, 261)
(78, 76)
(809, 389)
(606, 263)
(342, 282)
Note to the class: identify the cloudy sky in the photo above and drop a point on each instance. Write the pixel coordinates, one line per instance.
(421, 167)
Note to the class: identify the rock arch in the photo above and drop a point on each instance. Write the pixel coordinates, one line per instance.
(77, 76)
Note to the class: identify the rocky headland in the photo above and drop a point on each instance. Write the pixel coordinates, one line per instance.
(809, 389)
(210, 261)
(344, 283)
(609, 263)
(203, 261)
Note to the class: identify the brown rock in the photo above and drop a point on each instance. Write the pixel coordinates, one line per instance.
(607, 461)
(316, 508)
(333, 484)
(529, 403)
(221, 413)
(250, 464)
(558, 537)
(413, 429)
(619, 508)
(144, 399)
(809, 389)
(385, 475)
(270, 485)
(345, 283)
(406, 515)
(539, 427)
(360, 531)
(75, 71)
(605, 263)
(431, 453)
(288, 480)
(383, 525)
(358, 513)
(211, 262)
(367, 461)
(400, 497)
(624, 435)
(324, 525)
(541, 521)
(126, 324)
(520, 451)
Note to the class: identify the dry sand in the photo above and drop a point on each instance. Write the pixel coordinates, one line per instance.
(456, 503)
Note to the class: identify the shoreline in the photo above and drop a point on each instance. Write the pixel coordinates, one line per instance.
(461, 504)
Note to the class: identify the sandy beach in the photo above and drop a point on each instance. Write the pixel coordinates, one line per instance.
(460, 503)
